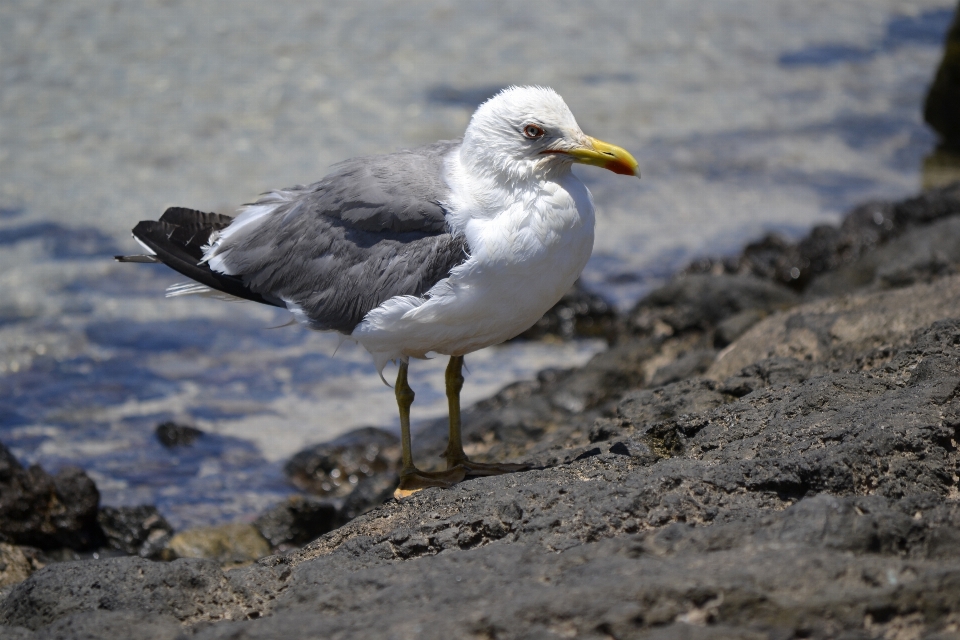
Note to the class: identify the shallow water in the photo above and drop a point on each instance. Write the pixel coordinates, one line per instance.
(746, 116)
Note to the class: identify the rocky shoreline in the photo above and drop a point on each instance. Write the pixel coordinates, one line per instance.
(769, 448)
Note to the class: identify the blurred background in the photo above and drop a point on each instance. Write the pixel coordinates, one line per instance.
(747, 116)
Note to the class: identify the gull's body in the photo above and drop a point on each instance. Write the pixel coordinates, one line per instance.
(444, 249)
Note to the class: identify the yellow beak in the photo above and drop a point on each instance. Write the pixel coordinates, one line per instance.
(605, 155)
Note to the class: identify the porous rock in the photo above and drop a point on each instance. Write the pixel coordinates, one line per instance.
(185, 590)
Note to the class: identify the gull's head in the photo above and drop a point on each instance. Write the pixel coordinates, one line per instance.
(529, 132)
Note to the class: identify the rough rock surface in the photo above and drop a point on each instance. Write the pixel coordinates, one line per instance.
(822, 501)
(47, 511)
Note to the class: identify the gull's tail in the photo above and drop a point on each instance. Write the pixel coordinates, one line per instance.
(177, 240)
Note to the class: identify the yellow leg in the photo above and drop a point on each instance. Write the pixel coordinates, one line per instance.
(411, 478)
(454, 454)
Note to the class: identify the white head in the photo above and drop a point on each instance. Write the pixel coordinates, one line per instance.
(525, 133)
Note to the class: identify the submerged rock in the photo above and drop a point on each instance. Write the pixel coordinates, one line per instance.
(46, 511)
(171, 434)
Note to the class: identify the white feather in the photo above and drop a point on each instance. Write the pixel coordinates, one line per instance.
(529, 226)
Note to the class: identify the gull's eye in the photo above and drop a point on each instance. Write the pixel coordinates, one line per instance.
(533, 131)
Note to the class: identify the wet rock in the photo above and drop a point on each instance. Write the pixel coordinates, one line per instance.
(137, 530)
(334, 469)
(228, 544)
(46, 511)
(297, 520)
(578, 314)
(943, 100)
(171, 434)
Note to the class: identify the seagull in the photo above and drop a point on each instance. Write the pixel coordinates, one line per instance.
(443, 249)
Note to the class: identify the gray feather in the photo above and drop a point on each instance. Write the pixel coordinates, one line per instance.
(371, 230)
(400, 191)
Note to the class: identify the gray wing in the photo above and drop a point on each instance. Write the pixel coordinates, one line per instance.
(372, 229)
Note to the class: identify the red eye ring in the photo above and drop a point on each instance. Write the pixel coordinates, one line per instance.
(533, 131)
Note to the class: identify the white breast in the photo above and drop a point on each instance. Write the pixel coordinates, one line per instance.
(523, 258)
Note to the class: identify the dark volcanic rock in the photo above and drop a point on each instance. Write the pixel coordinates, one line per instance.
(135, 530)
(579, 314)
(335, 469)
(185, 590)
(171, 434)
(943, 100)
(46, 511)
(699, 301)
(296, 521)
(827, 248)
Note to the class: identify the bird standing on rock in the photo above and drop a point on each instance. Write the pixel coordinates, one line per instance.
(443, 249)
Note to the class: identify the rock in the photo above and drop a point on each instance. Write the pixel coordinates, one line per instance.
(227, 544)
(135, 530)
(842, 328)
(921, 254)
(171, 434)
(16, 564)
(46, 511)
(109, 624)
(943, 100)
(700, 301)
(578, 314)
(186, 590)
(818, 503)
(827, 248)
(298, 520)
(334, 469)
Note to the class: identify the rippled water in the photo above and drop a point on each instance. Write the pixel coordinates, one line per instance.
(746, 116)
